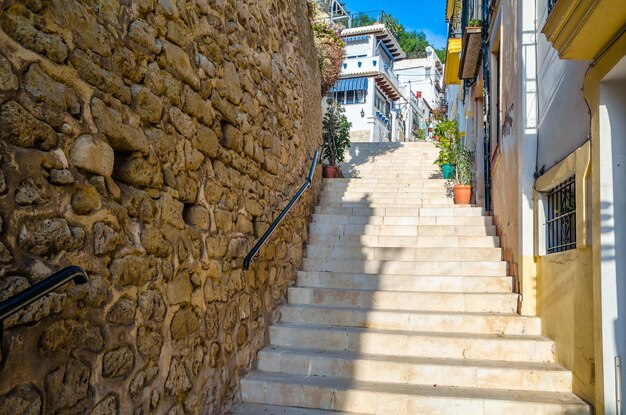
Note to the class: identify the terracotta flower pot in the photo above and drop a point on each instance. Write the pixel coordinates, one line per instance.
(462, 194)
(330, 172)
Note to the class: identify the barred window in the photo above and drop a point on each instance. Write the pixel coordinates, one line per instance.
(561, 217)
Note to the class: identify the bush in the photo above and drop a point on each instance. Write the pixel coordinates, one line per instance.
(463, 161)
(330, 53)
(336, 133)
(448, 133)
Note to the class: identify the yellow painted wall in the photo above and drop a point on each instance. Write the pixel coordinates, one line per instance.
(565, 300)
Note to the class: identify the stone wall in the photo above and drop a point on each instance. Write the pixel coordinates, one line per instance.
(150, 142)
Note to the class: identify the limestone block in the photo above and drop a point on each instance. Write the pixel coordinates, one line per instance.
(47, 236)
(133, 270)
(144, 35)
(22, 400)
(22, 30)
(93, 155)
(121, 137)
(118, 362)
(155, 243)
(206, 141)
(142, 379)
(147, 105)
(60, 177)
(123, 311)
(179, 288)
(67, 385)
(107, 406)
(20, 128)
(68, 334)
(182, 122)
(8, 81)
(184, 323)
(198, 216)
(137, 171)
(232, 85)
(102, 79)
(171, 211)
(149, 342)
(85, 200)
(177, 380)
(54, 94)
(178, 62)
(151, 305)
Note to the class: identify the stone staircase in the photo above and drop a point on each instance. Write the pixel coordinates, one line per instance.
(404, 306)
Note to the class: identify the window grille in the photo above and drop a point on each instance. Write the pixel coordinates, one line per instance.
(561, 217)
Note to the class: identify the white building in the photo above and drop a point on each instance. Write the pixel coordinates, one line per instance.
(367, 87)
(423, 74)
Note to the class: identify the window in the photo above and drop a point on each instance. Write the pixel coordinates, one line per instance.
(561, 217)
(348, 97)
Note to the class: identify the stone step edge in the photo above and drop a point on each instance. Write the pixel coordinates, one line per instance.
(448, 334)
(359, 290)
(265, 409)
(426, 391)
(418, 360)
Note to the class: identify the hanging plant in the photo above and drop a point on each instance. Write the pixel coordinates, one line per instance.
(330, 53)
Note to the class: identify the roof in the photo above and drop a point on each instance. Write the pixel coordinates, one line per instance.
(382, 33)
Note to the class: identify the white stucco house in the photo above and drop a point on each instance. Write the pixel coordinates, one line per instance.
(368, 87)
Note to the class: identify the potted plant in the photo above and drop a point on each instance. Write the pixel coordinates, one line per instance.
(475, 23)
(336, 135)
(447, 133)
(462, 179)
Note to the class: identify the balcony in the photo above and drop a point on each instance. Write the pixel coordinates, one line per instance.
(581, 29)
(472, 31)
(375, 67)
(377, 23)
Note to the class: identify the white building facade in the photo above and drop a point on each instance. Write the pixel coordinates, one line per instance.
(367, 87)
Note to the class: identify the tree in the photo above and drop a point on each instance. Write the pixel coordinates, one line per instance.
(336, 133)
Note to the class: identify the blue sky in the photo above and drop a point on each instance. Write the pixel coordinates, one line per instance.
(425, 15)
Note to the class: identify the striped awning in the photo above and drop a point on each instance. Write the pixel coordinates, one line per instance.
(350, 84)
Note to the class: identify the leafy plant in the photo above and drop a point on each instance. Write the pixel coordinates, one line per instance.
(475, 23)
(464, 162)
(419, 134)
(448, 133)
(336, 133)
(330, 53)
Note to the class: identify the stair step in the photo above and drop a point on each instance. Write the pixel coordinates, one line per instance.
(385, 399)
(262, 409)
(413, 343)
(435, 321)
(374, 241)
(400, 211)
(466, 373)
(405, 300)
(378, 204)
(401, 220)
(404, 254)
(402, 230)
(482, 268)
(398, 201)
(395, 282)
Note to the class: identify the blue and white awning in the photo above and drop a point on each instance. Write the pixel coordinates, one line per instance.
(350, 84)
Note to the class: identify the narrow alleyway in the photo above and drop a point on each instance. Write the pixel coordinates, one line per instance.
(404, 306)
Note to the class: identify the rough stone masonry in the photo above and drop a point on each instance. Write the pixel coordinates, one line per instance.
(150, 142)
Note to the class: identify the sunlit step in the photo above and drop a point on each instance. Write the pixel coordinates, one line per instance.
(381, 398)
(393, 204)
(397, 201)
(374, 241)
(486, 323)
(414, 343)
(402, 230)
(398, 282)
(455, 210)
(547, 377)
(484, 268)
(405, 300)
(263, 409)
(353, 219)
(404, 254)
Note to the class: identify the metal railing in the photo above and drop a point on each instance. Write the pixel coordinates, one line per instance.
(551, 4)
(33, 293)
(370, 18)
(472, 10)
(257, 247)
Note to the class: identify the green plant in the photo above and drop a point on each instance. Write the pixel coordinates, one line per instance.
(330, 48)
(419, 134)
(464, 162)
(448, 133)
(475, 23)
(336, 133)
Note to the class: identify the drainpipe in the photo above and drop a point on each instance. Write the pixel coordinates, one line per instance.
(486, 106)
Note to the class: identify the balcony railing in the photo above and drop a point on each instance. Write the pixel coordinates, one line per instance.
(371, 18)
(455, 28)
(367, 65)
(551, 4)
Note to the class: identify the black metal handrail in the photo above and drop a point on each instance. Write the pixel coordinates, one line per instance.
(294, 199)
(33, 293)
